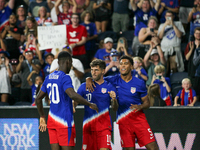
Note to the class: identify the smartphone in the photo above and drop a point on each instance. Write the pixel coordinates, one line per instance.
(31, 36)
(159, 77)
(114, 58)
(152, 29)
(168, 18)
(121, 41)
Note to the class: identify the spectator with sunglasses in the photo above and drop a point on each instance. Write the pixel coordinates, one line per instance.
(26, 67)
(5, 74)
(5, 12)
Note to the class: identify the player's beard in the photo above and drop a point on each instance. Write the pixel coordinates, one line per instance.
(97, 78)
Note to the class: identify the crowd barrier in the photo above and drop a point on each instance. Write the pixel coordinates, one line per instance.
(174, 128)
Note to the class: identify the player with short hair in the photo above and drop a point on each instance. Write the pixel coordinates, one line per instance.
(97, 127)
(132, 99)
(60, 122)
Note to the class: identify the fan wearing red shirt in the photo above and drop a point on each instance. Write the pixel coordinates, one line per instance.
(76, 38)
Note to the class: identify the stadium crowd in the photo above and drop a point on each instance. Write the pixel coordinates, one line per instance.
(162, 37)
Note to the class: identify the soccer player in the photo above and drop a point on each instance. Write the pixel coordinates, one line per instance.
(60, 122)
(97, 127)
(132, 99)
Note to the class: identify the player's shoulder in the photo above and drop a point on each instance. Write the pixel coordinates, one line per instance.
(108, 84)
(138, 82)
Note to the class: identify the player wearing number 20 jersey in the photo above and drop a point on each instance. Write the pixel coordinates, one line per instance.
(61, 110)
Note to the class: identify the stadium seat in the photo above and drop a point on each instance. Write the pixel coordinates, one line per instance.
(4, 104)
(176, 82)
(129, 36)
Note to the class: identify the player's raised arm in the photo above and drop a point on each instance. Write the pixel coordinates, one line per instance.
(39, 104)
(79, 99)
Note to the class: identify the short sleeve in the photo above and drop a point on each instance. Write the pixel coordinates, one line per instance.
(67, 82)
(54, 65)
(168, 82)
(81, 89)
(78, 65)
(143, 89)
(97, 54)
(144, 72)
(44, 85)
(179, 93)
(84, 32)
(193, 93)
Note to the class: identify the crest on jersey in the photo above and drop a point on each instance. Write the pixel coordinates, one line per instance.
(133, 90)
(103, 90)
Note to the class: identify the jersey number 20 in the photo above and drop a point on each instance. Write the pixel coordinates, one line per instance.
(54, 93)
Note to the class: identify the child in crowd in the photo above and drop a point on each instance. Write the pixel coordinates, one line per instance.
(164, 83)
(187, 95)
(38, 80)
(154, 96)
(139, 71)
(48, 61)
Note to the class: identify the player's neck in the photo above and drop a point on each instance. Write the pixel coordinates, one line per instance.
(127, 77)
(100, 81)
(62, 69)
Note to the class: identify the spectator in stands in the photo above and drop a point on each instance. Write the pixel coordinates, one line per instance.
(139, 71)
(142, 16)
(189, 54)
(184, 10)
(76, 39)
(196, 61)
(120, 17)
(168, 5)
(194, 19)
(164, 83)
(48, 61)
(15, 83)
(2, 44)
(26, 67)
(113, 65)
(81, 5)
(90, 45)
(156, 58)
(6, 75)
(65, 16)
(11, 34)
(187, 95)
(146, 34)
(77, 71)
(5, 12)
(102, 14)
(21, 18)
(171, 32)
(38, 80)
(122, 47)
(51, 5)
(31, 27)
(154, 96)
(42, 18)
(108, 44)
(34, 7)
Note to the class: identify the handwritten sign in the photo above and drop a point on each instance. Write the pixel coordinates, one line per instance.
(51, 37)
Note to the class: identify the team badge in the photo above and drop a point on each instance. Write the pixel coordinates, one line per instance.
(133, 90)
(103, 90)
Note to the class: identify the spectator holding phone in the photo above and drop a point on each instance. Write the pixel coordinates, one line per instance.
(112, 67)
(194, 19)
(146, 34)
(171, 32)
(164, 83)
(122, 47)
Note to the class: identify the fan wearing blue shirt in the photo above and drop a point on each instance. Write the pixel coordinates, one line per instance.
(97, 127)
(59, 88)
(132, 99)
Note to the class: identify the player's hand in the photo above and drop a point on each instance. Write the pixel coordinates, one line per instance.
(94, 107)
(112, 94)
(90, 85)
(136, 107)
(43, 125)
